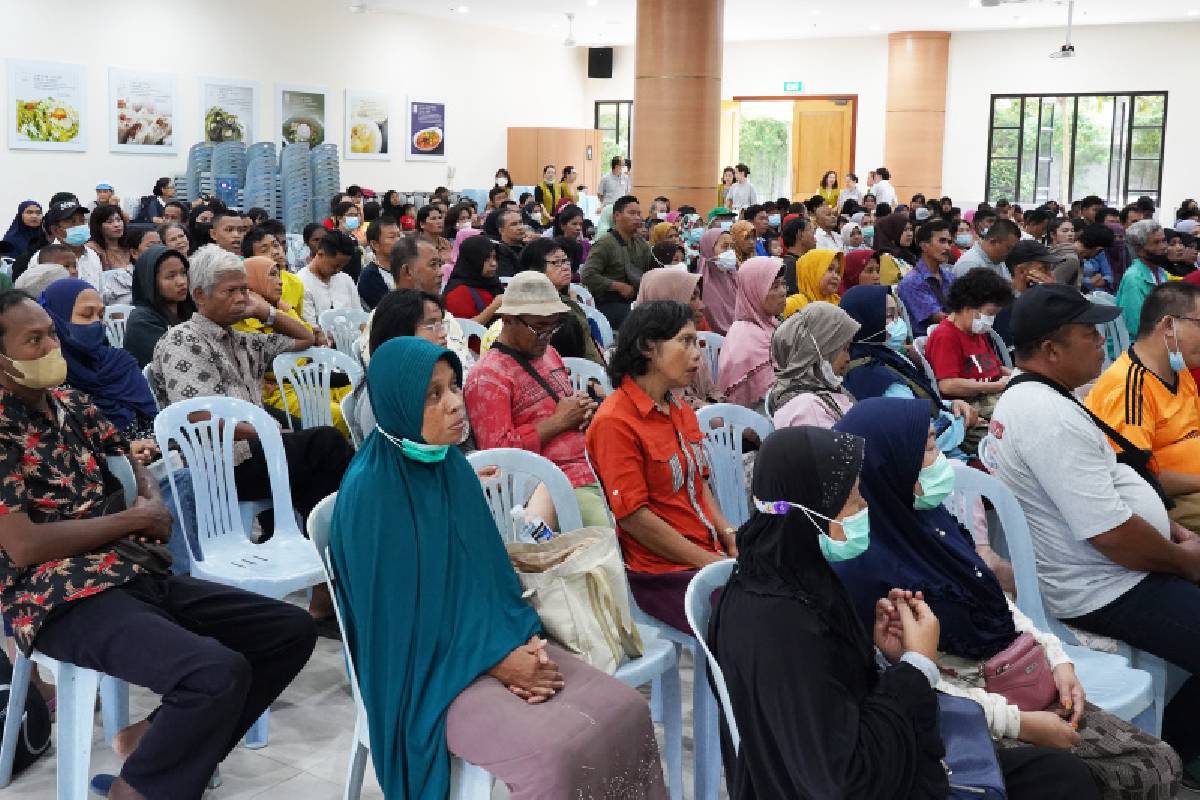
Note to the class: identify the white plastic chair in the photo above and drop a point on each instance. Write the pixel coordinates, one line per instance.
(283, 564)
(348, 406)
(311, 381)
(1001, 348)
(471, 328)
(723, 445)
(148, 374)
(711, 344)
(345, 326)
(697, 604)
(583, 372)
(1135, 693)
(520, 471)
(582, 295)
(606, 332)
(467, 781)
(116, 315)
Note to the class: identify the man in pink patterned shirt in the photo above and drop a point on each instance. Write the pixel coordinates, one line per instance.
(519, 394)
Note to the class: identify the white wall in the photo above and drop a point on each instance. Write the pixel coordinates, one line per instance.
(477, 70)
(1114, 58)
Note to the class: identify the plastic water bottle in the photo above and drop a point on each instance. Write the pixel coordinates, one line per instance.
(530, 530)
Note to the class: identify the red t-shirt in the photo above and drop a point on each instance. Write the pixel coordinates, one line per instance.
(955, 354)
(461, 303)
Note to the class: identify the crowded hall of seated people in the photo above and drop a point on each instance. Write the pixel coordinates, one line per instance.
(596, 476)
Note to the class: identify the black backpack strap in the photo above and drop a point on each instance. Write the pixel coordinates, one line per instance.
(525, 364)
(478, 298)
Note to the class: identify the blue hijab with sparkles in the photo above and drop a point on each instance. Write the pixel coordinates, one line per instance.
(108, 375)
(428, 595)
(918, 550)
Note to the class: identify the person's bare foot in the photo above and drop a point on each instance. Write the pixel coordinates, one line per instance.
(126, 740)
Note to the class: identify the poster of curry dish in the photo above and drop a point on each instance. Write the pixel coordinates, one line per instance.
(141, 112)
(46, 106)
(426, 135)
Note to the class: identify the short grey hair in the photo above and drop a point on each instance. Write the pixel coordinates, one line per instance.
(1140, 232)
(209, 264)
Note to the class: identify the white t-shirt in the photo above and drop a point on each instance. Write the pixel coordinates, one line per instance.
(88, 267)
(740, 195)
(884, 193)
(1066, 477)
(340, 292)
(829, 240)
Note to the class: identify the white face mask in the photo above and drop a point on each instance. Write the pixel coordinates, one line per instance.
(727, 260)
(501, 182)
(830, 377)
(982, 323)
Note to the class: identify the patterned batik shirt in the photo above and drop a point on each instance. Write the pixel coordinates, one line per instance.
(199, 358)
(49, 471)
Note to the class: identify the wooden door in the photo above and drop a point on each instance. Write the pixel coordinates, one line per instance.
(822, 139)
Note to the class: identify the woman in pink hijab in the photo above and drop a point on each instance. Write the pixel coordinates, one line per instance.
(745, 371)
(720, 278)
(460, 237)
(684, 287)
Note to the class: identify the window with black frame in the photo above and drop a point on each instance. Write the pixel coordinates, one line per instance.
(614, 121)
(1068, 146)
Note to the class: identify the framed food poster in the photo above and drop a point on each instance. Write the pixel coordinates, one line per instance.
(141, 112)
(367, 120)
(425, 138)
(300, 114)
(46, 106)
(228, 109)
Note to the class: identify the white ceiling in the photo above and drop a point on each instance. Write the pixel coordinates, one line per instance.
(612, 22)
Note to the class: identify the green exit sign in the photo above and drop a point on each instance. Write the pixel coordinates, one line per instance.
(794, 87)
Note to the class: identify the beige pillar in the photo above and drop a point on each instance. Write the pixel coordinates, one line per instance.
(916, 111)
(677, 101)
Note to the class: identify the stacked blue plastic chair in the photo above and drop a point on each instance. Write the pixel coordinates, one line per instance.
(261, 188)
(199, 163)
(326, 178)
(296, 187)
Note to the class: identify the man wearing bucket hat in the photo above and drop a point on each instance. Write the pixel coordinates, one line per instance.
(520, 394)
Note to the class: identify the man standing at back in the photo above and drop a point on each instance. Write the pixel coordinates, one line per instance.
(616, 262)
(1109, 559)
(615, 184)
(883, 191)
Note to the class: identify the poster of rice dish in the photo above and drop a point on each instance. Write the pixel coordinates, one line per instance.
(367, 117)
(141, 112)
(426, 135)
(227, 110)
(300, 115)
(46, 106)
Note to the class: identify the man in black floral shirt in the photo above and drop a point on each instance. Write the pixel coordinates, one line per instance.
(73, 583)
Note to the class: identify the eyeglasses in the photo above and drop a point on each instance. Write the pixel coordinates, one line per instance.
(558, 262)
(544, 334)
(436, 327)
(1189, 319)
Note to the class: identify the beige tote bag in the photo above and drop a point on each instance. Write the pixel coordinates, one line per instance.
(576, 583)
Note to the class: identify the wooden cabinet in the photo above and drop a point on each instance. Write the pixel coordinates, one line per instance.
(531, 149)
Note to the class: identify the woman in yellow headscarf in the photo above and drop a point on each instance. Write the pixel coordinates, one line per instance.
(663, 231)
(818, 273)
(285, 292)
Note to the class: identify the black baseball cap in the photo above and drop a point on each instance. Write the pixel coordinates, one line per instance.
(1041, 310)
(1031, 250)
(63, 209)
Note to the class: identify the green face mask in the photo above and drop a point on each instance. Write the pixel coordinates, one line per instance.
(937, 483)
(856, 527)
(417, 451)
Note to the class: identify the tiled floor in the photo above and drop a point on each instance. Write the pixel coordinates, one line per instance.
(306, 758)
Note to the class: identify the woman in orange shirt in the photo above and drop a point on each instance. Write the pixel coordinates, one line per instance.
(652, 464)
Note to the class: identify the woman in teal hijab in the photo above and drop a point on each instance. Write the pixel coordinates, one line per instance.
(436, 624)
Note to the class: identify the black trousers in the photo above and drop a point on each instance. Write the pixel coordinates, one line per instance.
(218, 656)
(1040, 773)
(615, 307)
(317, 459)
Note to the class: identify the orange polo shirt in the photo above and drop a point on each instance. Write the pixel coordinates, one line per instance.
(646, 458)
(1150, 414)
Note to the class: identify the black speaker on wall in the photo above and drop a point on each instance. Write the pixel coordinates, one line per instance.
(600, 62)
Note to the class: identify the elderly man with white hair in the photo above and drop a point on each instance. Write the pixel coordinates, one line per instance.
(1147, 244)
(204, 357)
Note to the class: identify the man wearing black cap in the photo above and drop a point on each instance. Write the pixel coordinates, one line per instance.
(1109, 559)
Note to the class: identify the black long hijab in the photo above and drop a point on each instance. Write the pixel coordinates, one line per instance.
(468, 269)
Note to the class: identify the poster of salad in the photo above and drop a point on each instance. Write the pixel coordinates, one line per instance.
(367, 118)
(141, 112)
(47, 104)
(227, 110)
(426, 134)
(300, 114)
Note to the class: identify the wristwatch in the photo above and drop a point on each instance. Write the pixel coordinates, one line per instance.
(270, 320)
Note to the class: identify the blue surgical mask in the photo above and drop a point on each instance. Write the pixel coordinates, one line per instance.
(692, 236)
(868, 232)
(417, 451)
(897, 332)
(773, 220)
(937, 483)
(90, 336)
(963, 240)
(856, 527)
(352, 223)
(726, 224)
(1175, 357)
(77, 236)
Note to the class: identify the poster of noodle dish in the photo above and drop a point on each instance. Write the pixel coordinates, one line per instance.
(426, 134)
(46, 105)
(141, 112)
